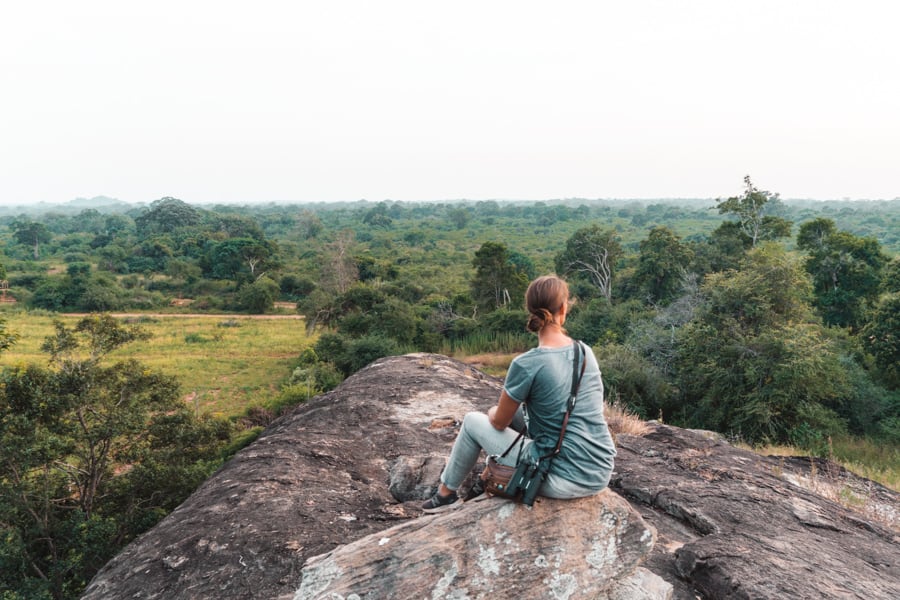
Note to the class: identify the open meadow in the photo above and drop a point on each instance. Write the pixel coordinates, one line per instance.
(223, 362)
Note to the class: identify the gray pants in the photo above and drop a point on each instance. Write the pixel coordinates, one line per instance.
(477, 434)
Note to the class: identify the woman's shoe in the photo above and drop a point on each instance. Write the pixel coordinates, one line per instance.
(438, 503)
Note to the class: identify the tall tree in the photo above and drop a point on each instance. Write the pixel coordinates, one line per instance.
(166, 215)
(662, 265)
(497, 281)
(881, 335)
(31, 233)
(339, 270)
(592, 253)
(752, 209)
(754, 361)
(846, 271)
(237, 257)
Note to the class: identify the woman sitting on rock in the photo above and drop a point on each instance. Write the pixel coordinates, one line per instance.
(541, 380)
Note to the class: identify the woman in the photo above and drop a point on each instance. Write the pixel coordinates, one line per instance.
(540, 379)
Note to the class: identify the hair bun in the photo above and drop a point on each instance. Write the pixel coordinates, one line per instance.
(538, 319)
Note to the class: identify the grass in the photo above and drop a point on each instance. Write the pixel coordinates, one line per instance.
(866, 458)
(224, 364)
(494, 363)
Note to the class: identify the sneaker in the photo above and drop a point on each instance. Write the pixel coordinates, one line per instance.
(438, 503)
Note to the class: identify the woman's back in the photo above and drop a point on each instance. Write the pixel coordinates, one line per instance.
(542, 379)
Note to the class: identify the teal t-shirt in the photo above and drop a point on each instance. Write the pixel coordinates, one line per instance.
(542, 379)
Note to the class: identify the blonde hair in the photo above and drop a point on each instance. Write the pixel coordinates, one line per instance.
(544, 298)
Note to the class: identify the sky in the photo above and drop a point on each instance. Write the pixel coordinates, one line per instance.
(301, 101)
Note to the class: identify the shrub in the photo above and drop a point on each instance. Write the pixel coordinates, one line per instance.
(634, 381)
(259, 296)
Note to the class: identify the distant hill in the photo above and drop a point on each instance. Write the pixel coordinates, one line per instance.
(104, 204)
(96, 202)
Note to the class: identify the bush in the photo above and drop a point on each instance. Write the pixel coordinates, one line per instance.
(598, 322)
(366, 350)
(505, 320)
(196, 338)
(351, 355)
(635, 381)
(296, 287)
(259, 296)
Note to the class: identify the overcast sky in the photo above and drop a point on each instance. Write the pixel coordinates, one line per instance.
(219, 101)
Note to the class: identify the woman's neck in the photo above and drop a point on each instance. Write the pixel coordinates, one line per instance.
(552, 336)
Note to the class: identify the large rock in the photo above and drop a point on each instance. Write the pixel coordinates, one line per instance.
(731, 523)
(492, 549)
(351, 467)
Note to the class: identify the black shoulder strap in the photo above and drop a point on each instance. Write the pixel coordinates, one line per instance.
(576, 383)
(580, 357)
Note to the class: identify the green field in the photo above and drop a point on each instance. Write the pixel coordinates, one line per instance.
(224, 363)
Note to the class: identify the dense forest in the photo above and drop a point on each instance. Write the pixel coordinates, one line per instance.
(770, 321)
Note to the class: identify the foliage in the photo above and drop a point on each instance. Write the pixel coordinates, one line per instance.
(498, 280)
(890, 277)
(350, 355)
(93, 452)
(592, 253)
(662, 263)
(258, 297)
(881, 336)
(846, 271)
(635, 381)
(751, 209)
(753, 361)
(240, 258)
(166, 215)
(7, 338)
(598, 322)
(31, 233)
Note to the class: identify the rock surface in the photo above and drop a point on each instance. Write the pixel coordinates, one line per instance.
(492, 548)
(351, 467)
(731, 525)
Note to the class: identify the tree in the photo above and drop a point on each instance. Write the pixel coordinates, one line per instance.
(459, 216)
(339, 270)
(165, 216)
(497, 280)
(7, 338)
(232, 258)
(238, 226)
(754, 361)
(890, 277)
(846, 271)
(31, 233)
(662, 265)
(751, 210)
(308, 225)
(632, 379)
(881, 336)
(592, 252)
(78, 442)
(377, 216)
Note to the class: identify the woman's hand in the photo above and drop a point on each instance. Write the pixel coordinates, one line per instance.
(501, 416)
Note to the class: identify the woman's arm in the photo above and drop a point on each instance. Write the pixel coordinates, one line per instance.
(501, 415)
